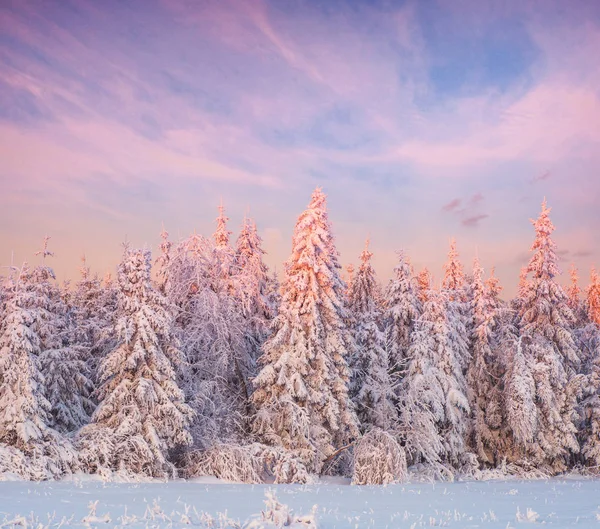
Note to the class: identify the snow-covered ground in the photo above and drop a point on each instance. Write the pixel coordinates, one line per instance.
(556, 503)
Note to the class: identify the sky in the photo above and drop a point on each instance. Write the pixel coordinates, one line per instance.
(422, 120)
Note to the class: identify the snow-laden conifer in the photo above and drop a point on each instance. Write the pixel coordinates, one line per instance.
(434, 409)
(593, 297)
(251, 287)
(402, 308)
(142, 414)
(301, 392)
(370, 387)
(485, 369)
(28, 445)
(424, 283)
(549, 348)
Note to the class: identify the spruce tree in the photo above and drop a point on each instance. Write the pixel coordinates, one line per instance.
(546, 328)
(424, 283)
(370, 386)
(434, 408)
(485, 370)
(402, 309)
(142, 414)
(28, 444)
(251, 287)
(301, 392)
(593, 297)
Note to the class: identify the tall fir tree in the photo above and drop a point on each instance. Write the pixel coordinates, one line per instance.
(593, 297)
(371, 386)
(402, 308)
(301, 392)
(142, 414)
(485, 370)
(434, 408)
(424, 283)
(547, 339)
(29, 445)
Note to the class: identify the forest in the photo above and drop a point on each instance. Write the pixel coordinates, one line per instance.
(200, 361)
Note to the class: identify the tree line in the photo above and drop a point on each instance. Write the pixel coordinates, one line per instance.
(210, 366)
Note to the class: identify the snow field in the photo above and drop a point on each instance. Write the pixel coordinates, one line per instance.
(491, 504)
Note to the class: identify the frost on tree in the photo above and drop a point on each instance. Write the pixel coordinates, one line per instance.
(434, 410)
(251, 280)
(301, 392)
(424, 283)
(402, 308)
(593, 297)
(455, 286)
(142, 414)
(370, 385)
(28, 445)
(547, 339)
(223, 251)
(574, 296)
(589, 427)
(212, 332)
(93, 310)
(485, 369)
(67, 385)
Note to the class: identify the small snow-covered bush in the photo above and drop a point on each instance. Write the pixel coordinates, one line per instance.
(253, 463)
(278, 516)
(378, 459)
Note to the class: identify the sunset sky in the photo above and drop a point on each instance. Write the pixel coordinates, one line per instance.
(422, 120)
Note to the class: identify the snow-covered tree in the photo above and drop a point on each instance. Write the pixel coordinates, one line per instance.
(424, 283)
(459, 312)
(28, 445)
(251, 287)
(545, 312)
(224, 253)
(549, 348)
(162, 262)
(92, 318)
(402, 307)
(593, 297)
(217, 360)
(485, 370)
(142, 414)
(454, 275)
(574, 292)
(378, 459)
(370, 387)
(301, 392)
(63, 355)
(434, 408)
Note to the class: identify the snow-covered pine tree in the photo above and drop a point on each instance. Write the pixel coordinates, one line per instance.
(92, 318)
(589, 427)
(402, 309)
(459, 312)
(370, 386)
(454, 275)
(162, 262)
(224, 253)
(434, 409)
(28, 445)
(593, 297)
(546, 329)
(545, 311)
(485, 370)
(142, 414)
(424, 283)
(62, 358)
(301, 392)
(273, 295)
(251, 281)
